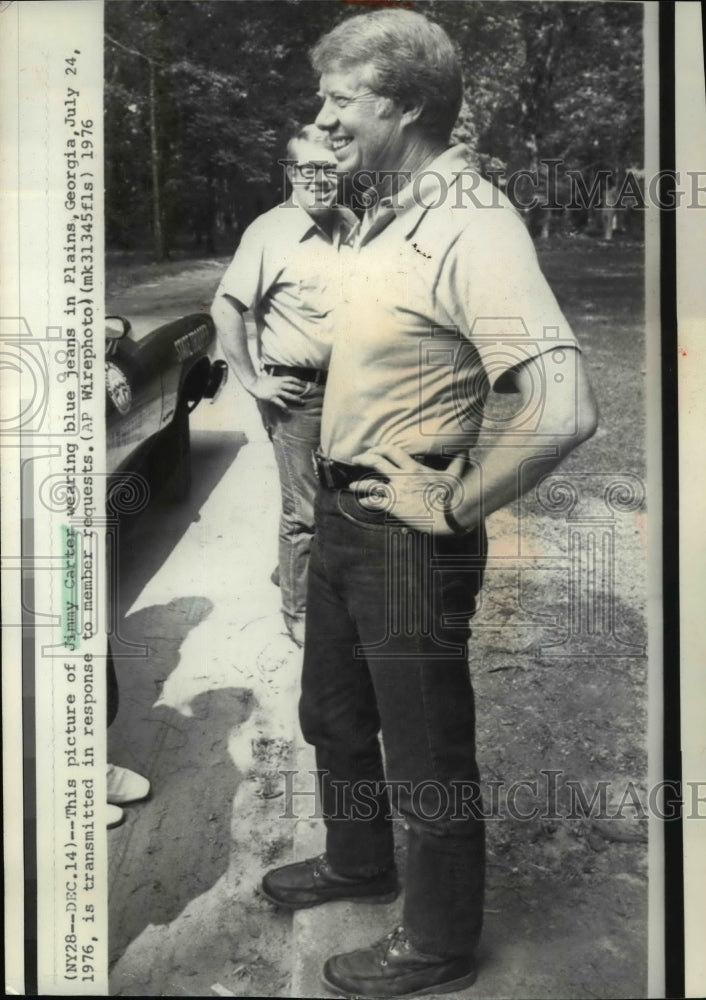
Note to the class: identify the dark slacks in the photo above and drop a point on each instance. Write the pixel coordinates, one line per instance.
(386, 651)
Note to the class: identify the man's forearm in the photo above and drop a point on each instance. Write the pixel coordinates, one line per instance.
(512, 462)
(500, 475)
(504, 464)
(233, 337)
(283, 392)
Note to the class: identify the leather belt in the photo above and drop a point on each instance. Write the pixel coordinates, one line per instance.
(335, 475)
(317, 375)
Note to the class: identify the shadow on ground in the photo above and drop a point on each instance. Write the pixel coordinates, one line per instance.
(146, 538)
(178, 841)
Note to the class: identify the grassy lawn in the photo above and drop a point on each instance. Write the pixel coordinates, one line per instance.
(600, 288)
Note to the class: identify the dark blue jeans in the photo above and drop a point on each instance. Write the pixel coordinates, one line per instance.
(386, 651)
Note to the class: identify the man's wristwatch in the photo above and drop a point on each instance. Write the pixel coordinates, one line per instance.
(451, 521)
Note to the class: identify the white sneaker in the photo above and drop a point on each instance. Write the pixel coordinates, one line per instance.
(113, 816)
(125, 786)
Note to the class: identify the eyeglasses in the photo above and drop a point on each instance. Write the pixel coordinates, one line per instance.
(316, 168)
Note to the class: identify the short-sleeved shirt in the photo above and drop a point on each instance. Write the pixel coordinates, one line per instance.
(286, 270)
(443, 294)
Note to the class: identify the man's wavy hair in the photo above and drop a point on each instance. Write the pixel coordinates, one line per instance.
(308, 133)
(411, 60)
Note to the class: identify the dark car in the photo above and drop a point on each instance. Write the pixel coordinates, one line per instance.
(155, 376)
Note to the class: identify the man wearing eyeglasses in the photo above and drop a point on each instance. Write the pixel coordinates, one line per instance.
(286, 271)
(444, 299)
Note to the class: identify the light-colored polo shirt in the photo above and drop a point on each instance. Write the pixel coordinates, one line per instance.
(287, 271)
(442, 294)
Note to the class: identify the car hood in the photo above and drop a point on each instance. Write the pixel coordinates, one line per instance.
(142, 325)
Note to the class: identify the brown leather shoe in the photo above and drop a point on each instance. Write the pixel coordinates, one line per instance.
(393, 967)
(311, 882)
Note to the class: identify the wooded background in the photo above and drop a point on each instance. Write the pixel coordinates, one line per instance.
(202, 95)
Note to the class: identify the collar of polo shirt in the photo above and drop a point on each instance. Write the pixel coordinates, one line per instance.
(305, 226)
(429, 187)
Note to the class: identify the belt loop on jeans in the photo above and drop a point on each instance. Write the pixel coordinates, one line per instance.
(323, 470)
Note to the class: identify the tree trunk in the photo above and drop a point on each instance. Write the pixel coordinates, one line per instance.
(210, 210)
(157, 230)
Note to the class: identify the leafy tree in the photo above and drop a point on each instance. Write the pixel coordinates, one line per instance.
(201, 96)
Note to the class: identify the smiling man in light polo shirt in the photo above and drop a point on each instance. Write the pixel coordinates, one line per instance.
(443, 299)
(286, 270)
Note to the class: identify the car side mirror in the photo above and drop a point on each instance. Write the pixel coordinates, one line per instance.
(116, 327)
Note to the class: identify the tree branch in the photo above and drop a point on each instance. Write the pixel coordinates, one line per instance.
(133, 52)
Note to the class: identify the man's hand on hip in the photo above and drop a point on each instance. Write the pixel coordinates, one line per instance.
(419, 496)
(282, 391)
